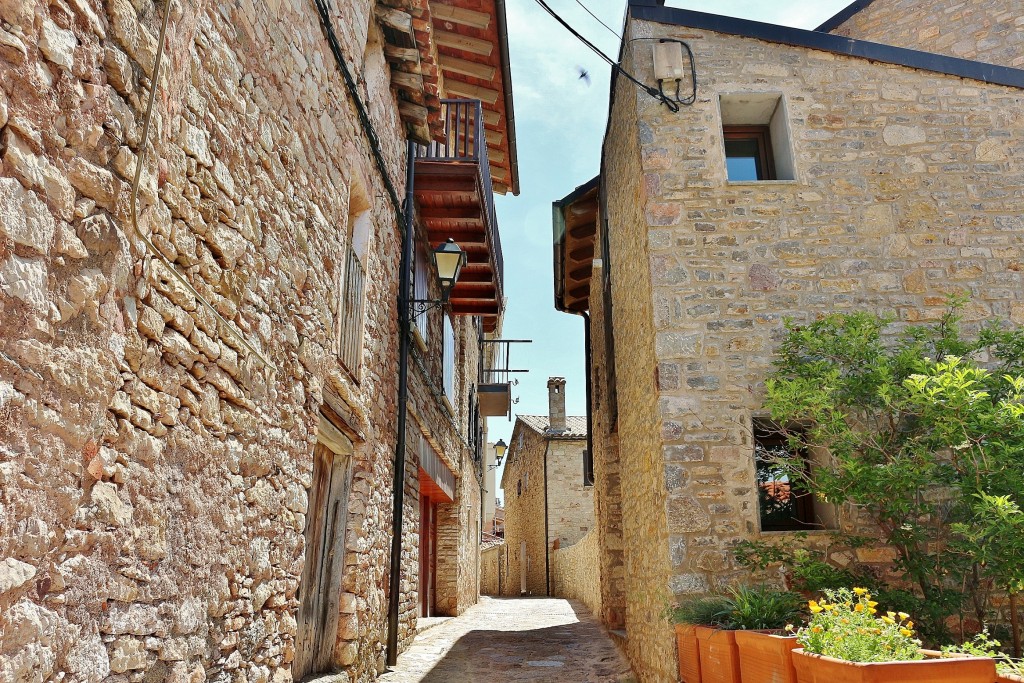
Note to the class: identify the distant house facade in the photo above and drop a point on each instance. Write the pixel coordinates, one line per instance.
(811, 173)
(548, 503)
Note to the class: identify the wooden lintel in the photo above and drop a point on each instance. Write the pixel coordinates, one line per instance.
(473, 92)
(495, 155)
(460, 15)
(491, 117)
(457, 42)
(396, 19)
(467, 68)
(407, 81)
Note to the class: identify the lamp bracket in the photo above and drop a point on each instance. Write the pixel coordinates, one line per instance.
(418, 307)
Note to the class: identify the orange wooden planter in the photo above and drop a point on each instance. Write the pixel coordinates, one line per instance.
(689, 653)
(818, 669)
(719, 658)
(766, 657)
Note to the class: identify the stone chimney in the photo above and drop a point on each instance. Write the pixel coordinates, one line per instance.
(556, 403)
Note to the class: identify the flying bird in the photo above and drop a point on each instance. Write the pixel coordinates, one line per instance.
(584, 75)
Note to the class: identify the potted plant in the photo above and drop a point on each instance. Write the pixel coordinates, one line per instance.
(759, 617)
(710, 629)
(1007, 670)
(698, 613)
(845, 641)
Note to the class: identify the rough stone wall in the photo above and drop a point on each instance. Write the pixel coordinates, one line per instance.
(989, 31)
(643, 474)
(154, 471)
(575, 572)
(570, 503)
(458, 546)
(607, 491)
(490, 565)
(908, 190)
(524, 512)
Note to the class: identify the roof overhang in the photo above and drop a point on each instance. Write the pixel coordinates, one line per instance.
(843, 15)
(574, 232)
(472, 49)
(456, 49)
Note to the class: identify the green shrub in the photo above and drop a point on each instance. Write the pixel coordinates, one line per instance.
(762, 608)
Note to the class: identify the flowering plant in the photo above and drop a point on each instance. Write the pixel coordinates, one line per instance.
(845, 625)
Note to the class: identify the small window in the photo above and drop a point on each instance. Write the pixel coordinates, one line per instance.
(353, 280)
(748, 153)
(588, 468)
(756, 137)
(420, 292)
(783, 504)
(448, 361)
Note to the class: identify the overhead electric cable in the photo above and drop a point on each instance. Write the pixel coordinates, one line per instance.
(598, 19)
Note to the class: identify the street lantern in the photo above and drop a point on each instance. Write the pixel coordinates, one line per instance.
(449, 259)
(499, 451)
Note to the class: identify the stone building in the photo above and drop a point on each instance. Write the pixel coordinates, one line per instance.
(810, 173)
(199, 387)
(548, 502)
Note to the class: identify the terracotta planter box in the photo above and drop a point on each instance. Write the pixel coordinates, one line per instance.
(766, 657)
(719, 658)
(819, 669)
(689, 654)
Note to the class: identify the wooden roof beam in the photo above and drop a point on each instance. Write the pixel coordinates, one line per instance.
(465, 67)
(460, 15)
(457, 42)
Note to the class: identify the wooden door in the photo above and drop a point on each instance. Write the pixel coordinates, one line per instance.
(319, 592)
(428, 555)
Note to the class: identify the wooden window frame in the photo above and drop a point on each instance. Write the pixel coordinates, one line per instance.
(762, 136)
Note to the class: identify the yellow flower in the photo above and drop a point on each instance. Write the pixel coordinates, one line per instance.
(828, 608)
(858, 607)
(872, 603)
(910, 624)
(889, 620)
(814, 606)
(907, 632)
(904, 615)
(892, 615)
(816, 629)
(860, 591)
(789, 627)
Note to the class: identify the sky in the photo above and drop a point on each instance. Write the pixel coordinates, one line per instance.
(560, 121)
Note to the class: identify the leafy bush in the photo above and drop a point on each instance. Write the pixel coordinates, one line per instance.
(806, 568)
(918, 433)
(844, 625)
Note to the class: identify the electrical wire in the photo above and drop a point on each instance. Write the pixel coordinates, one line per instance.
(139, 163)
(649, 89)
(598, 19)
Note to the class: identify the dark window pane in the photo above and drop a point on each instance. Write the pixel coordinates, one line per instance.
(783, 504)
(743, 159)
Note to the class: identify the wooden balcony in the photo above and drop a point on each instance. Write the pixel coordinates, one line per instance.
(455, 197)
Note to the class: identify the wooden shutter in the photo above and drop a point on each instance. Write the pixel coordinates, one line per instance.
(351, 333)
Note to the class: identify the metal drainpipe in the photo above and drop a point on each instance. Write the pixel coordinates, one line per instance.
(398, 484)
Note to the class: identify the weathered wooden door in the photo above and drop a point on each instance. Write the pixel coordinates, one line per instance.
(320, 590)
(428, 555)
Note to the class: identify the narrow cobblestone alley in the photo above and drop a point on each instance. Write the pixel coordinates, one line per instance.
(507, 640)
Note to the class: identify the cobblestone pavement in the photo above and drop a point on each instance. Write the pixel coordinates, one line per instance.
(508, 640)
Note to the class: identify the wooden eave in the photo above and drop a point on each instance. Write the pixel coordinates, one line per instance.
(472, 53)
(410, 50)
(575, 237)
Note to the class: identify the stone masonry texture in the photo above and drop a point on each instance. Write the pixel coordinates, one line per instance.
(907, 190)
(989, 31)
(153, 470)
(575, 572)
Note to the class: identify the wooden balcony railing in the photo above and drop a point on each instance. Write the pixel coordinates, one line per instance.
(465, 142)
